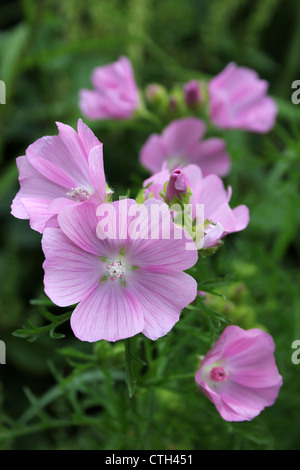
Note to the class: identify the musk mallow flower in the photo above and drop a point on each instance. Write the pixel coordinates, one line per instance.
(115, 94)
(239, 374)
(124, 269)
(180, 144)
(208, 191)
(238, 100)
(56, 171)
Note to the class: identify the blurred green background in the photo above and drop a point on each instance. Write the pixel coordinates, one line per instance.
(63, 394)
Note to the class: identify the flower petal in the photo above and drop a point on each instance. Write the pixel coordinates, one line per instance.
(70, 273)
(110, 312)
(161, 296)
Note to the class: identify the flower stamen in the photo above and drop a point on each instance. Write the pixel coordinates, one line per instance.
(116, 270)
(79, 194)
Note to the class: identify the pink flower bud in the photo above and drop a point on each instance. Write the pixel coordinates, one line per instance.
(177, 185)
(192, 93)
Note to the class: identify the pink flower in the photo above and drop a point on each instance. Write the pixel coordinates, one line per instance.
(116, 95)
(238, 100)
(239, 374)
(210, 192)
(124, 284)
(58, 171)
(180, 144)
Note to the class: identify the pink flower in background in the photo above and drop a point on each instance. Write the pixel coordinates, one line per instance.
(210, 192)
(58, 171)
(180, 144)
(124, 284)
(239, 374)
(238, 100)
(116, 95)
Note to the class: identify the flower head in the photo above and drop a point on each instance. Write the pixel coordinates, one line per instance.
(208, 191)
(180, 143)
(239, 374)
(115, 96)
(123, 267)
(238, 100)
(58, 171)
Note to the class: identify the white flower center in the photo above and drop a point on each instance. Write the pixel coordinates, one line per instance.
(116, 270)
(79, 194)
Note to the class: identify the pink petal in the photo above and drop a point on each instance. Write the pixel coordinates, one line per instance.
(61, 158)
(87, 137)
(70, 273)
(180, 134)
(248, 402)
(110, 312)
(33, 184)
(97, 175)
(161, 296)
(78, 222)
(91, 105)
(241, 214)
(38, 213)
(213, 236)
(211, 156)
(170, 251)
(153, 153)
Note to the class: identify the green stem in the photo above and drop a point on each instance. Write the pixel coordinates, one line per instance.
(129, 373)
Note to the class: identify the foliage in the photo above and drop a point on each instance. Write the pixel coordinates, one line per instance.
(59, 393)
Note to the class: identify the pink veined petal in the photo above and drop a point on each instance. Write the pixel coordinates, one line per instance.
(38, 213)
(241, 214)
(112, 228)
(87, 137)
(96, 170)
(70, 273)
(245, 401)
(227, 413)
(33, 184)
(172, 250)
(78, 222)
(212, 194)
(60, 158)
(180, 134)
(17, 208)
(211, 156)
(110, 312)
(153, 153)
(213, 236)
(161, 296)
(58, 204)
(225, 216)
(250, 359)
